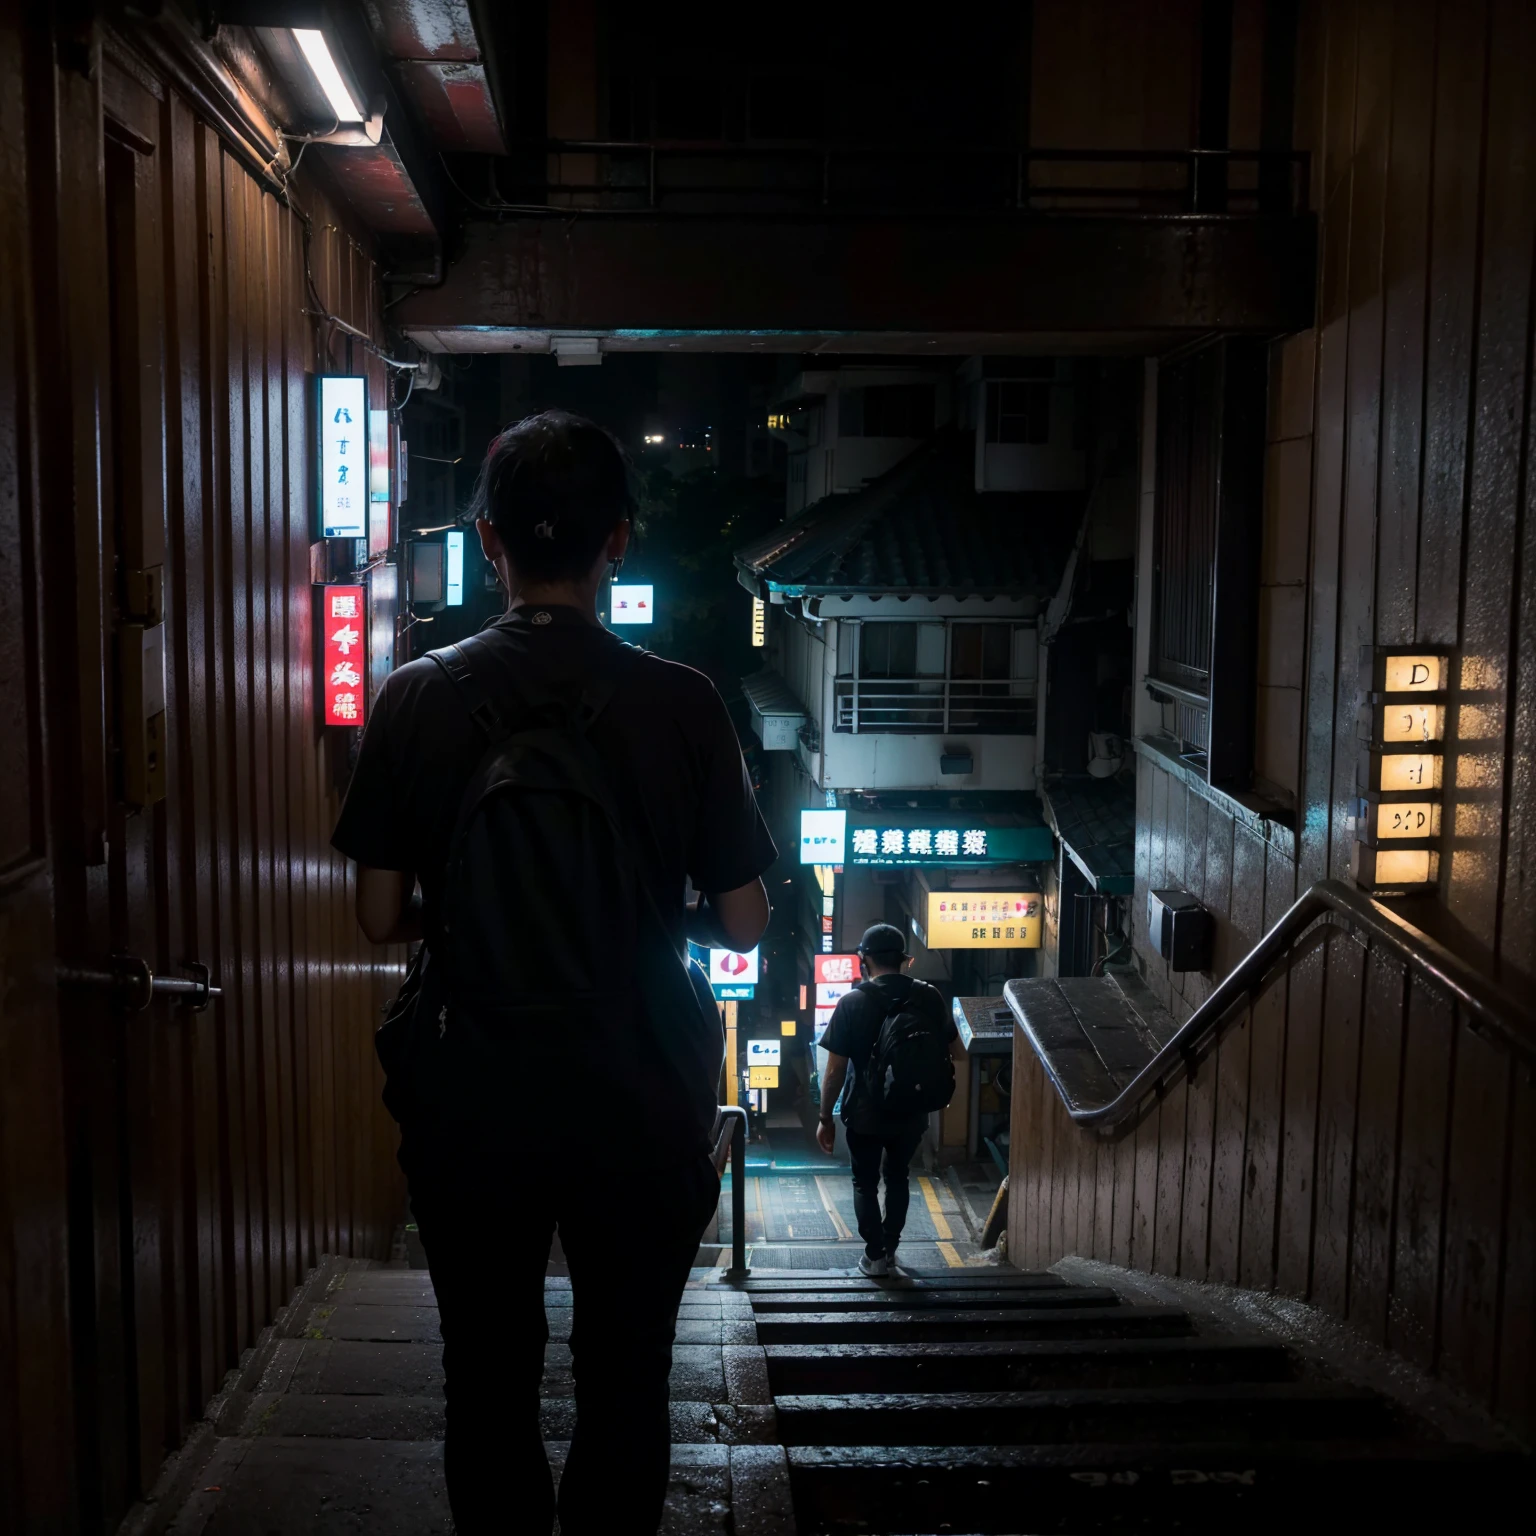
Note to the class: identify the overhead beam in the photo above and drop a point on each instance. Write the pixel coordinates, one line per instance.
(1100, 274)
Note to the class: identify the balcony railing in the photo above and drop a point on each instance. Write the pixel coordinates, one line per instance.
(932, 706)
(618, 176)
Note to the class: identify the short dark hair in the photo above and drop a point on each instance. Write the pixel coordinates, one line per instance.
(554, 487)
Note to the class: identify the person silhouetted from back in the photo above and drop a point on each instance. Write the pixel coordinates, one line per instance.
(892, 1032)
(533, 802)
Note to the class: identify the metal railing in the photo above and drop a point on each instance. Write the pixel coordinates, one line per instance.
(731, 1139)
(626, 176)
(1488, 1008)
(933, 706)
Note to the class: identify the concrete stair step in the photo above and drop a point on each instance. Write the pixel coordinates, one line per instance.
(991, 1278)
(1269, 1489)
(1225, 1413)
(910, 1326)
(768, 1303)
(1021, 1365)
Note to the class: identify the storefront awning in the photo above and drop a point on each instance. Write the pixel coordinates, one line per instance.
(1096, 822)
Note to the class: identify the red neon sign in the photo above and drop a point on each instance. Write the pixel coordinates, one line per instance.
(836, 968)
(344, 654)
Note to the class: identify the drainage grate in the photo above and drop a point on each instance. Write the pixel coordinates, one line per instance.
(808, 1256)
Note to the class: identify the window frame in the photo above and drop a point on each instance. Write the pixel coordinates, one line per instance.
(1212, 406)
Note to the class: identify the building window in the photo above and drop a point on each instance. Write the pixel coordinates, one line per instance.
(1209, 514)
(1018, 412)
(886, 410)
(908, 678)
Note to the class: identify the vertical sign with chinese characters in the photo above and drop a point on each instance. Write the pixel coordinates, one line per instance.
(380, 507)
(343, 455)
(759, 622)
(343, 655)
(1400, 775)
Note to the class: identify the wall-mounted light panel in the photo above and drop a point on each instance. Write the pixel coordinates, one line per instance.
(342, 454)
(1397, 846)
(453, 586)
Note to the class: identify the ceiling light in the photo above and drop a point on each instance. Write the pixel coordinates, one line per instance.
(318, 54)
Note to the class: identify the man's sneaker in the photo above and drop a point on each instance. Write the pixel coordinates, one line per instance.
(876, 1269)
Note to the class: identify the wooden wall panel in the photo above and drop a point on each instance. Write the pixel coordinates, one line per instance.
(1351, 1141)
(165, 1181)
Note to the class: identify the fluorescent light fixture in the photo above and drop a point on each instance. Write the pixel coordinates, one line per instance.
(318, 53)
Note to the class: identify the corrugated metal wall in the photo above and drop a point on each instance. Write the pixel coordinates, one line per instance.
(165, 1178)
(1353, 1141)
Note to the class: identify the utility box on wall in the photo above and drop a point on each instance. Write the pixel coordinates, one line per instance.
(1180, 929)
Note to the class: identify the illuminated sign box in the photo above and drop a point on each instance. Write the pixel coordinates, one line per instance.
(823, 837)
(343, 655)
(788, 1028)
(1402, 772)
(759, 622)
(453, 580)
(732, 975)
(835, 968)
(728, 968)
(631, 605)
(764, 1053)
(984, 919)
(342, 450)
(917, 845)
(762, 1077)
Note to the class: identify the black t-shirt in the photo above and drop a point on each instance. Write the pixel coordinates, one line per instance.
(855, 1027)
(665, 735)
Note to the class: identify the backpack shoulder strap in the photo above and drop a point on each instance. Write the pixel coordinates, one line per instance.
(457, 662)
(459, 671)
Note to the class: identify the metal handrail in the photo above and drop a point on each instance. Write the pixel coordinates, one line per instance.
(730, 1136)
(929, 705)
(1489, 1008)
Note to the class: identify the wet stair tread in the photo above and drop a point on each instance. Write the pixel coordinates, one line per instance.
(1020, 1363)
(971, 1325)
(1202, 1411)
(988, 1278)
(774, 1302)
(973, 1457)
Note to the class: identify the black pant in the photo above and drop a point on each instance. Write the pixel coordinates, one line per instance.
(871, 1155)
(486, 1228)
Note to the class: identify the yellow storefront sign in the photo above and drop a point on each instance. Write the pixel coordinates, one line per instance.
(984, 919)
(762, 1077)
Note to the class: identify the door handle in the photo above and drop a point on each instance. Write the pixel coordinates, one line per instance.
(134, 986)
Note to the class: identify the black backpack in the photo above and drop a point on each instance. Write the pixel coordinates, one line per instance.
(910, 1071)
(552, 977)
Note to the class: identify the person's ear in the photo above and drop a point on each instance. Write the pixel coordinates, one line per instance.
(490, 540)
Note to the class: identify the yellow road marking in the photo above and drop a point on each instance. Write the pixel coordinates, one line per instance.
(757, 1200)
(940, 1220)
(951, 1257)
(831, 1210)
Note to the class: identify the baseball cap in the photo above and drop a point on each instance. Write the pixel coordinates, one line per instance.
(883, 941)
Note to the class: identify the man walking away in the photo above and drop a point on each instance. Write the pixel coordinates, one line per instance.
(551, 790)
(880, 1139)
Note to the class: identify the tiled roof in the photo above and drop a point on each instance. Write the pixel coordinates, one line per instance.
(1096, 819)
(923, 527)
